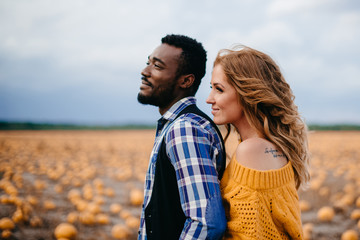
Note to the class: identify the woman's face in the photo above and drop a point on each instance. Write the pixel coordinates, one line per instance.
(223, 99)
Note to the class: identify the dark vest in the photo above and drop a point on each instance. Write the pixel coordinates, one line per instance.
(164, 217)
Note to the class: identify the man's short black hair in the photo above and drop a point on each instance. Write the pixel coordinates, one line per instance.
(192, 59)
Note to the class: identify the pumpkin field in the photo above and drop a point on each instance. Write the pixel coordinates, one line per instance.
(88, 185)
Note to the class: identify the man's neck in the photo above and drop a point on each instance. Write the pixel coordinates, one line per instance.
(163, 110)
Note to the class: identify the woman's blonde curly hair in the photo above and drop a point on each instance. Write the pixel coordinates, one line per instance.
(268, 104)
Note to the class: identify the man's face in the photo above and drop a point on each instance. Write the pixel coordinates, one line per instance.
(159, 76)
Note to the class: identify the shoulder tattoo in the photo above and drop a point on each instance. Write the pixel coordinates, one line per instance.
(274, 152)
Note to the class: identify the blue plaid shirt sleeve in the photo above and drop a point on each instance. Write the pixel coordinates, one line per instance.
(193, 151)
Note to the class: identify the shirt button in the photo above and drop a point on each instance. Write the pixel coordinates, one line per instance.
(149, 215)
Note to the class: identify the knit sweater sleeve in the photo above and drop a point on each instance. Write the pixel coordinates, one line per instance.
(260, 204)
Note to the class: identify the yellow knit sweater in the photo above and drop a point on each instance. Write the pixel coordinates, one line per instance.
(260, 204)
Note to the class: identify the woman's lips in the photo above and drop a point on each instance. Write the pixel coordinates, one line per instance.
(214, 111)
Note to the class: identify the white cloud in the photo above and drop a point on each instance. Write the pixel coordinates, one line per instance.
(306, 71)
(274, 33)
(271, 37)
(343, 35)
(286, 7)
(79, 32)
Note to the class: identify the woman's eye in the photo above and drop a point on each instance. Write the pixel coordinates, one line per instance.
(219, 89)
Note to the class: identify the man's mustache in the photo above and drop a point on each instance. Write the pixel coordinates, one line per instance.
(146, 81)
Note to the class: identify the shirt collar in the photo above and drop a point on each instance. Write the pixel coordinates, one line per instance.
(175, 109)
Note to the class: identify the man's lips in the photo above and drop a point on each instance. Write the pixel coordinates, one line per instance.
(145, 83)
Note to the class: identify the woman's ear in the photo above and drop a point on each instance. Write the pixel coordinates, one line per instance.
(186, 81)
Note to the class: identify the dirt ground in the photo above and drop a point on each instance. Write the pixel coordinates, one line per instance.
(41, 170)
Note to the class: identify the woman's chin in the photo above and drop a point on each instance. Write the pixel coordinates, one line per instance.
(218, 121)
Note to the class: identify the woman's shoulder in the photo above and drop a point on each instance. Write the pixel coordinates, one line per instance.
(260, 154)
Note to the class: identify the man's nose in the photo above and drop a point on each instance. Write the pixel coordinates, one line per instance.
(145, 72)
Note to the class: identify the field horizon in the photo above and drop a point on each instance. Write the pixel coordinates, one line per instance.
(15, 125)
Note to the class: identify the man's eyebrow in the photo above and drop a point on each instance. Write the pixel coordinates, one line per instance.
(157, 60)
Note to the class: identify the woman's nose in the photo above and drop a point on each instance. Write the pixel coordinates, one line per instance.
(210, 99)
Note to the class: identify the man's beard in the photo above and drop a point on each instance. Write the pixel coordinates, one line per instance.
(161, 97)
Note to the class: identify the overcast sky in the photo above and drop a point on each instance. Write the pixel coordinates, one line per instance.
(80, 61)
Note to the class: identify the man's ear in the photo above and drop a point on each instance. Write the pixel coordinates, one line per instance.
(186, 81)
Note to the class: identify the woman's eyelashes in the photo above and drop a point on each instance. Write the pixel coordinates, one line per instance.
(217, 88)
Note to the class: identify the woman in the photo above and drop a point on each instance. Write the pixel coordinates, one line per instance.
(259, 185)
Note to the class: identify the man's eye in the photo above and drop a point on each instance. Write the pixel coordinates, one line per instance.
(157, 66)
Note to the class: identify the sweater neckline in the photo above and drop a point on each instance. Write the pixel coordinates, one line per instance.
(261, 179)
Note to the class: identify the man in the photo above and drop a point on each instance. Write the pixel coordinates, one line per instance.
(182, 198)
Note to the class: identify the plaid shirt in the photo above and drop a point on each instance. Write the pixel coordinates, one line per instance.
(194, 149)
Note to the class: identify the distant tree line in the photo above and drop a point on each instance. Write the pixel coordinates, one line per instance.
(334, 127)
(52, 126)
